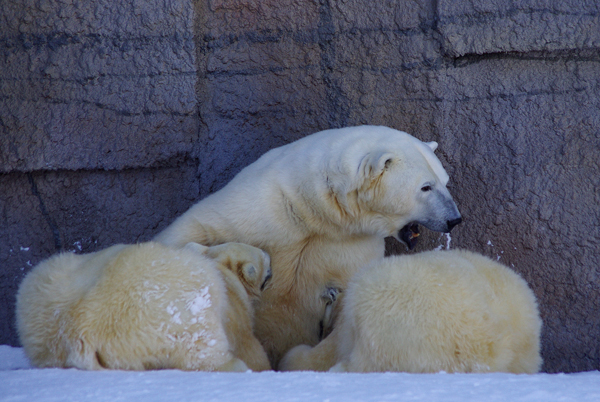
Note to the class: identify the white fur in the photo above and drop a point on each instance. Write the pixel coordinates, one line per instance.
(145, 306)
(321, 207)
(454, 311)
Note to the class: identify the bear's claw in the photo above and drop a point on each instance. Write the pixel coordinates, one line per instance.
(330, 295)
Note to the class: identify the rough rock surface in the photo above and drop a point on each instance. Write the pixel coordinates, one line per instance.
(116, 117)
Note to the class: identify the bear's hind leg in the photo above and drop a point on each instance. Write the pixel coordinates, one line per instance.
(318, 358)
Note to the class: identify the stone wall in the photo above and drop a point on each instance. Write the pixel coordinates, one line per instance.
(116, 117)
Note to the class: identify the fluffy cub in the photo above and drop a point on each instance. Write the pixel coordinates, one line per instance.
(455, 311)
(145, 306)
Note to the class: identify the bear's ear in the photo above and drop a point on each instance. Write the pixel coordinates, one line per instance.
(433, 145)
(197, 248)
(374, 163)
(249, 271)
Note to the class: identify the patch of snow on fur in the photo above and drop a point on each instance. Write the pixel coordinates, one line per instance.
(199, 303)
(174, 312)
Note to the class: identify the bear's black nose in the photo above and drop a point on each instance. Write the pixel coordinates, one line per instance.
(453, 223)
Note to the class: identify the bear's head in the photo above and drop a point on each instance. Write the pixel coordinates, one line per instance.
(388, 182)
(251, 265)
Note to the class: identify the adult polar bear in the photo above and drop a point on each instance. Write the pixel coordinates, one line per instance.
(321, 207)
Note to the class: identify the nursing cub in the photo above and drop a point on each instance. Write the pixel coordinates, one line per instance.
(455, 311)
(145, 306)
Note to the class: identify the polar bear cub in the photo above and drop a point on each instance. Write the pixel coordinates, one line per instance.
(145, 306)
(455, 311)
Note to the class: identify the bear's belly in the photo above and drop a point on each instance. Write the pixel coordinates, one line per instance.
(306, 280)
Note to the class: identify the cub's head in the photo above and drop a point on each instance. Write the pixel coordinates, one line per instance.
(251, 265)
(397, 183)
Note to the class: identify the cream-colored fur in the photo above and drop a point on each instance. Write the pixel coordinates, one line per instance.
(321, 207)
(145, 306)
(455, 311)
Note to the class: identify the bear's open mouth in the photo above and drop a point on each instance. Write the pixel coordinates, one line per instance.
(409, 235)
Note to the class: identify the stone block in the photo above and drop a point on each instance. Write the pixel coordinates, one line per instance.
(109, 83)
(225, 18)
(487, 26)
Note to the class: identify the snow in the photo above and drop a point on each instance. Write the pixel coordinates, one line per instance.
(20, 382)
(200, 302)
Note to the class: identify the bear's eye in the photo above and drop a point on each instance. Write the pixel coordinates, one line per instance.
(426, 188)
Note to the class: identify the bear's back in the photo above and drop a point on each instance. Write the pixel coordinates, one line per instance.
(409, 304)
(134, 307)
(512, 299)
(441, 310)
(157, 307)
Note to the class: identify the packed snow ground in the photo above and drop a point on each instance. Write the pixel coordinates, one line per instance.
(20, 382)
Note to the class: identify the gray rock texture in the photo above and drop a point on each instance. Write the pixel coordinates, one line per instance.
(115, 117)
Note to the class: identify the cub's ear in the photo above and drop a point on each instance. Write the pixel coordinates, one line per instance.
(195, 247)
(250, 272)
(374, 163)
(433, 145)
